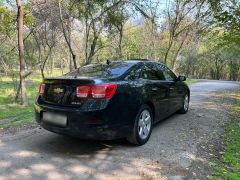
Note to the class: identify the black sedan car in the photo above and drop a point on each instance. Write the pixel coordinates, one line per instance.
(113, 100)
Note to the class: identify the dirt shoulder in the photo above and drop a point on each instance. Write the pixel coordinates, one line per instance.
(16, 129)
(210, 152)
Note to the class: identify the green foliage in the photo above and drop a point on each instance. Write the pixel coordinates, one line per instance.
(28, 18)
(211, 57)
(227, 15)
(7, 21)
(191, 81)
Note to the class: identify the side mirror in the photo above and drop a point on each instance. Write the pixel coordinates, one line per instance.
(182, 78)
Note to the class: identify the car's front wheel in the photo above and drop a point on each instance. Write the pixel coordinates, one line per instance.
(185, 104)
(142, 126)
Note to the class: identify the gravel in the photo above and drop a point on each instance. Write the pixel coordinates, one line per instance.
(173, 151)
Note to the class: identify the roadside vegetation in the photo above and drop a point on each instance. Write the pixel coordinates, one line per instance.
(191, 81)
(12, 113)
(228, 166)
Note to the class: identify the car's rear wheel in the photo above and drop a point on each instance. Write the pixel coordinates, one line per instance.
(185, 104)
(142, 127)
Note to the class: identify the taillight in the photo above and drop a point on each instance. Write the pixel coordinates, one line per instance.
(41, 88)
(83, 91)
(103, 91)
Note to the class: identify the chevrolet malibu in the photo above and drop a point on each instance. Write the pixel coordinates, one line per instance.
(119, 99)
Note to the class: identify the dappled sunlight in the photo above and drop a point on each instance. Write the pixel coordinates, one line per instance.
(55, 175)
(1, 143)
(5, 164)
(22, 172)
(73, 161)
(24, 154)
(196, 158)
(41, 167)
(78, 169)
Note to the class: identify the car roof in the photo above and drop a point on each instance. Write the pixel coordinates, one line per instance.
(136, 61)
(132, 61)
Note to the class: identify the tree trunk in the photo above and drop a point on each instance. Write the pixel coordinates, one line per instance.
(45, 61)
(120, 42)
(24, 99)
(167, 52)
(94, 43)
(92, 50)
(86, 41)
(179, 49)
(231, 70)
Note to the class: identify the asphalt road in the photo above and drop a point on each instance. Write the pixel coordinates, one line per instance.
(169, 154)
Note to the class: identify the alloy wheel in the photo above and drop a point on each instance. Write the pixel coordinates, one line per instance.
(144, 124)
(186, 102)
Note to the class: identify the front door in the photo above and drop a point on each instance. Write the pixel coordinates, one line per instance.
(170, 79)
(157, 90)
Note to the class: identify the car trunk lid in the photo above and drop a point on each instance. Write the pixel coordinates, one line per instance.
(62, 91)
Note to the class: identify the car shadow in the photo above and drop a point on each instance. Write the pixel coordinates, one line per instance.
(62, 145)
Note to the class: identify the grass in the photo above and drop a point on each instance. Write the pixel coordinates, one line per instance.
(228, 166)
(191, 81)
(12, 113)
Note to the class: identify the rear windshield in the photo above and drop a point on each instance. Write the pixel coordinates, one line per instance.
(114, 69)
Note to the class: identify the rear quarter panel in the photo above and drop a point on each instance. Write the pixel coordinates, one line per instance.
(126, 102)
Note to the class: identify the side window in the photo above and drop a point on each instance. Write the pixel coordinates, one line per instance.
(167, 73)
(150, 72)
(160, 73)
(134, 74)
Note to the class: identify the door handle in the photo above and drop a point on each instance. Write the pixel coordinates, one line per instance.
(154, 89)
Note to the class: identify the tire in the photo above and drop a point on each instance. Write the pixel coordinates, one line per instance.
(142, 127)
(185, 104)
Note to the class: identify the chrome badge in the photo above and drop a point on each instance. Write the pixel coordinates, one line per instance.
(58, 90)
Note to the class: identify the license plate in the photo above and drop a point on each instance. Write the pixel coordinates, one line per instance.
(57, 119)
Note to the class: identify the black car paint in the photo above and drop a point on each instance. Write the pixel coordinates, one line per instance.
(115, 117)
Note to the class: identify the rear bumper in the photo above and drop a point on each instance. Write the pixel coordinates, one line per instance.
(86, 132)
(101, 124)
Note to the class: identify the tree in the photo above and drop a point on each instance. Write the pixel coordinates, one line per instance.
(181, 18)
(66, 28)
(7, 28)
(46, 30)
(226, 14)
(23, 74)
(115, 21)
(95, 17)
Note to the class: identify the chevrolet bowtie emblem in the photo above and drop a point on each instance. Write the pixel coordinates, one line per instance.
(58, 90)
